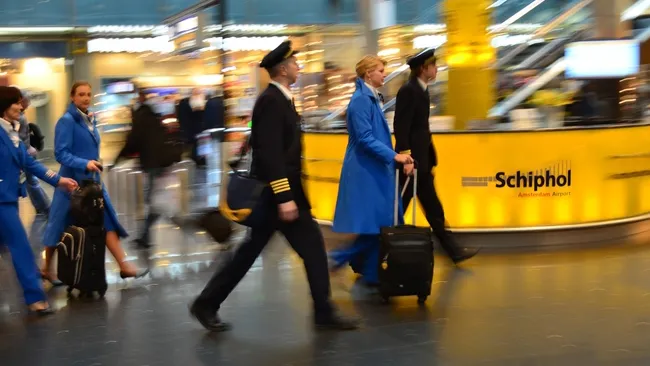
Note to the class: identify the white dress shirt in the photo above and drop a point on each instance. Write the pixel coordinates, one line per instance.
(422, 84)
(287, 93)
(12, 130)
(375, 92)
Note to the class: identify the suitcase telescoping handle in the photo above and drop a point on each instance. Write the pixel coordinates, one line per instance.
(399, 196)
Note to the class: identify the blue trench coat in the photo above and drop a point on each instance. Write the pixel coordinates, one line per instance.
(366, 195)
(74, 146)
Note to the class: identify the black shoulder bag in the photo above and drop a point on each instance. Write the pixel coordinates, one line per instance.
(245, 199)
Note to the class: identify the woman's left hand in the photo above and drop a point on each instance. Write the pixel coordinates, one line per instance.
(408, 169)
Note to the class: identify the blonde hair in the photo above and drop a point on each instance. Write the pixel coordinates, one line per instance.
(368, 63)
(76, 86)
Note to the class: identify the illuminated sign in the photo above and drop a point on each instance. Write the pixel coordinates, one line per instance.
(160, 44)
(533, 180)
(554, 177)
(245, 43)
(187, 25)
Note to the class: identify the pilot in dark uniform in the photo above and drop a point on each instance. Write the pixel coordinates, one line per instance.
(277, 148)
(412, 136)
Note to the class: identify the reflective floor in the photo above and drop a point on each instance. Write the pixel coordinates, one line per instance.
(568, 308)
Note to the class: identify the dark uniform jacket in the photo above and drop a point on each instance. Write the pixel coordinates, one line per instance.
(191, 121)
(147, 138)
(411, 125)
(276, 140)
(213, 114)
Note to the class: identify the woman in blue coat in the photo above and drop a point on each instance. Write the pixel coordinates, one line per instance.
(366, 195)
(16, 162)
(76, 148)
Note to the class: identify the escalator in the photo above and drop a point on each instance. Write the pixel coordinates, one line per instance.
(555, 70)
(544, 48)
(547, 38)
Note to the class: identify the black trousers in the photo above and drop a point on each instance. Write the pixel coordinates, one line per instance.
(305, 238)
(153, 175)
(432, 208)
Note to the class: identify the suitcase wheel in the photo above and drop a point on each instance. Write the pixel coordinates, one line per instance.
(69, 290)
(422, 299)
(102, 293)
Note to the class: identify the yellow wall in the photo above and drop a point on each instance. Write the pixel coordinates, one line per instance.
(595, 157)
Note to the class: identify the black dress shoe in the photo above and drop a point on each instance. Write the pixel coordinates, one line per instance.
(142, 244)
(208, 319)
(337, 322)
(464, 254)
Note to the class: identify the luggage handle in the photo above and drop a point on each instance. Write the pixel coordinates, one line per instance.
(398, 195)
(97, 175)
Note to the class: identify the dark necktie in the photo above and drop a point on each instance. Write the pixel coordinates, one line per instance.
(381, 97)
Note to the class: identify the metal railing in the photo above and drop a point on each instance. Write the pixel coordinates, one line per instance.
(553, 49)
(543, 31)
(332, 116)
(550, 73)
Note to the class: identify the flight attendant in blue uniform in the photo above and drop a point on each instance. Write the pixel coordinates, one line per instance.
(15, 163)
(76, 148)
(366, 195)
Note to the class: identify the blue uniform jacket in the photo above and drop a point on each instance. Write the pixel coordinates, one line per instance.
(74, 146)
(366, 195)
(14, 160)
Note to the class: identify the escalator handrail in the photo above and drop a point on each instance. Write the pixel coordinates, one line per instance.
(527, 90)
(548, 49)
(400, 70)
(534, 85)
(543, 31)
(540, 53)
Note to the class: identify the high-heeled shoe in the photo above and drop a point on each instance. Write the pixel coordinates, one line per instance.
(41, 312)
(54, 283)
(124, 275)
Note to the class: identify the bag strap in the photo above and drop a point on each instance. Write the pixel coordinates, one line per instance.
(242, 154)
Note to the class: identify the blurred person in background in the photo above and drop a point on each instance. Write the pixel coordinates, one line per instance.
(15, 160)
(365, 201)
(214, 112)
(76, 148)
(413, 137)
(190, 117)
(148, 138)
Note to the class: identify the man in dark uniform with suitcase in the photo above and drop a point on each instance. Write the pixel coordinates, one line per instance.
(412, 136)
(277, 148)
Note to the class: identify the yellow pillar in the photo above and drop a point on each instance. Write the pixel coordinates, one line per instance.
(472, 81)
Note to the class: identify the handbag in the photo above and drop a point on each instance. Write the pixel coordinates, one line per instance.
(87, 203)
(245, 199)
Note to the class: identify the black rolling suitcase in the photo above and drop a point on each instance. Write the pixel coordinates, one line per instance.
(82, 249)
(81, 260)
(405, 255)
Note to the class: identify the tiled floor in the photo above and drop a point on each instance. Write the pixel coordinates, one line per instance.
(587, 307)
